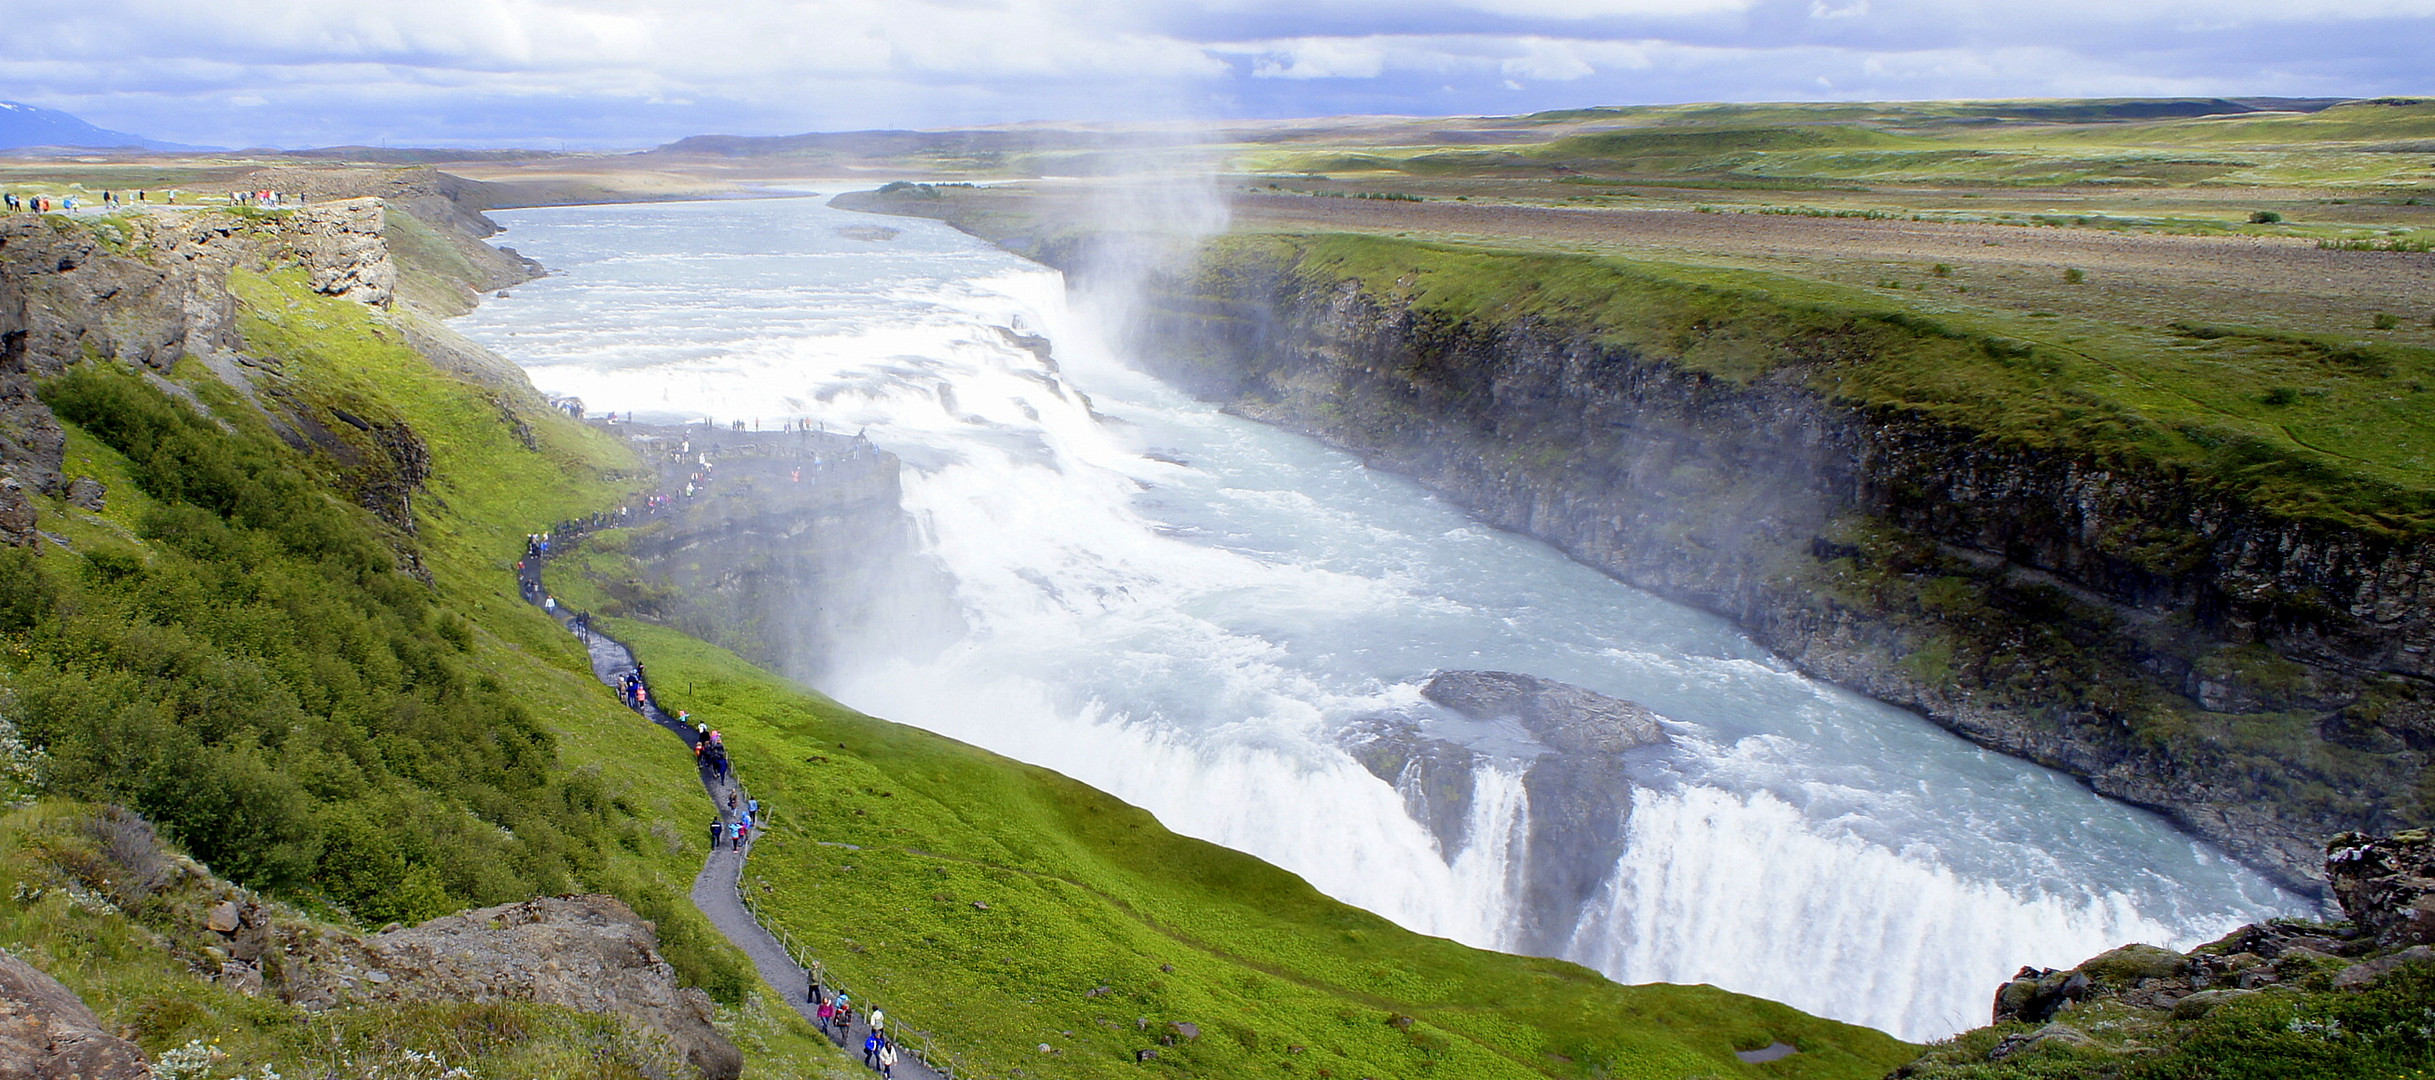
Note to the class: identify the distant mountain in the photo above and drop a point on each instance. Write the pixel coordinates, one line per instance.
(28, 125)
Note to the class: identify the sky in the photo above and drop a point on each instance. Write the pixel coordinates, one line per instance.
(611, 74)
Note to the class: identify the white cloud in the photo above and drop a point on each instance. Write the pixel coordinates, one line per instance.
(1602, 9)
(1546, 59)
(636, 71)
(1320, 58)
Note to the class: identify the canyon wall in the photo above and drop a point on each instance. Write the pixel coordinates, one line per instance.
(2261, 679)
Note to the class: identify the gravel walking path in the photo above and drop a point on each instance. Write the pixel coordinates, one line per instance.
(716, 890)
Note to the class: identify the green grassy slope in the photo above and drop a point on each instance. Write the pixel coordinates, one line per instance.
(227, 648)
(238, 649)
(985, 901)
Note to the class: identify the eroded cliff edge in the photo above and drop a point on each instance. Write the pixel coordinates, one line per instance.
(2260, 678)
(2256, 669)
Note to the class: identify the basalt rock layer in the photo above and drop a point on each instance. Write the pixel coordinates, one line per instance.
(779, 545)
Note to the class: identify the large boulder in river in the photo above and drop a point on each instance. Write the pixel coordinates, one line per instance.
(47, 1033)
(1434, 776)
(1567, 718)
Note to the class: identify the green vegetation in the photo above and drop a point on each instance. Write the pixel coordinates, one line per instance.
(95, 901)
(351, 711)
(2355, 442)
(2126, 144)
(2308, 1033)
(261, 681)
(292, 640)
(999, 907)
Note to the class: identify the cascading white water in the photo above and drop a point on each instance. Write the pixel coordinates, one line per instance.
(1186, 609)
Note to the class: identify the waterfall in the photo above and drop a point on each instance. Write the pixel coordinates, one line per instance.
(1190, 610)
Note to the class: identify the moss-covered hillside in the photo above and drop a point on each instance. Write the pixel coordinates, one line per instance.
(347, 710)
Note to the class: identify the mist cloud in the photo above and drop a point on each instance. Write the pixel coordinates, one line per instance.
(628, 73)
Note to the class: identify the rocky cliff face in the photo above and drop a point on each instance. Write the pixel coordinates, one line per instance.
(149, 290)
(436, 223)
(2262, 680)
(794, 542)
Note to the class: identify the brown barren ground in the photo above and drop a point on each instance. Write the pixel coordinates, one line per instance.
(2131, 277)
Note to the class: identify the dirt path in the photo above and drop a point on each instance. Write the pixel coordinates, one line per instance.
(717, 889)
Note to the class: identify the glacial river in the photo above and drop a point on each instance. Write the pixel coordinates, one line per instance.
(1185, 608)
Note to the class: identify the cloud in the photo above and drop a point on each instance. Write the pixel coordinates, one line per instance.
(1318, 58)
(636, 72)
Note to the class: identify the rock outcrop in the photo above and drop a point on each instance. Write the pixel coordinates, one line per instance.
(2387, 884)
(447, 209)
(2352, 991)
(47, 1033)
(796, 540)
(1434, 776)
(1579, 790)
(2383, 886)
(591, 953)
(147, 291)
(1567, 718)
(340, 245)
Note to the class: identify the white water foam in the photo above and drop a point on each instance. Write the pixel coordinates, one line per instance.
(1184, 609)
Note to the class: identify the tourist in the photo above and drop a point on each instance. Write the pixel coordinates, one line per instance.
(887, 1057)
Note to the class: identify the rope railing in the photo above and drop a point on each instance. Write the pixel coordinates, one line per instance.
(931, 1055)
(928, 1053)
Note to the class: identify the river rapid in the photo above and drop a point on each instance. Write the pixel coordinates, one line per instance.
(1187, 609)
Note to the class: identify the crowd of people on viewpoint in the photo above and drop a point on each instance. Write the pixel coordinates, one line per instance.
(733, 828)
(15, 203)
